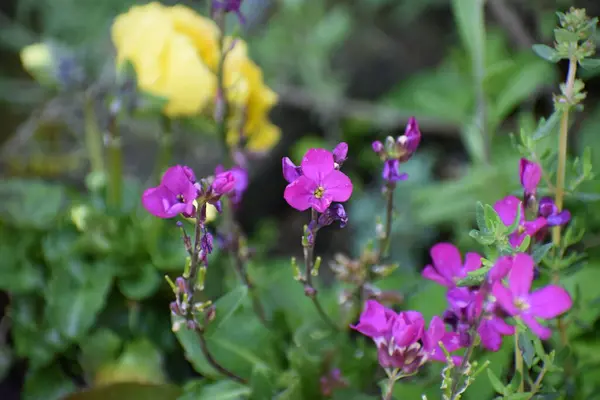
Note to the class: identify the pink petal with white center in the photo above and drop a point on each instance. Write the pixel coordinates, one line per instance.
(549, 302)
(521, 275)
(300, 193)
(505, 298)
(446, 260)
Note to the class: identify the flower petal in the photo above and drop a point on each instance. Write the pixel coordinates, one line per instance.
(321, 205)
(549, 302)
(373, 320)
(337, 186)
(446, 260)
(434, 334)
(504, 297)
(431, 273)
(490, 338)
(300, 193)
(521, 274)
(472, 262)
(317, 163)
(532, 227)
(500, 269)
(501, 326)
(507, 209)
(159, 201)
(542, 331)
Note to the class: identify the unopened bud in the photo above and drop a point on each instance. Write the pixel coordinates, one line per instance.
(175, 308)
(191, 324)
(310, 291)
(210, 314)
(181, 285)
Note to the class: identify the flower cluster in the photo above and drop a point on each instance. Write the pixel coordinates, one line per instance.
(402, 341)
(400, 150)
(176, 54)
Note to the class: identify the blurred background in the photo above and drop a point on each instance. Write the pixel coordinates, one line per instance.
(344, 70)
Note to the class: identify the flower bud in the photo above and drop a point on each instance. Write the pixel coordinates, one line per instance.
(223, 183)
(340, 153)
(290, 171)
(377, 147)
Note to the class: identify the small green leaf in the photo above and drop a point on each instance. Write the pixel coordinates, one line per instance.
(225, 307)
(546, 126)
(590, 64)
(484, 239)
(527, 349)
(540, 252)
(474, 278)
(524, 244)
(48, 383)
(546, 52)
(565, 36)
(480, 217)
(514, 383)
(519, 396)
(492, 219)
(496, 383)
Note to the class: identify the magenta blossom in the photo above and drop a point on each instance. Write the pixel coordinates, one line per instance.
(407, 144)
(401, 339)
(291, 172)
(545, 303)
(320, 183)
(240, 176)
(507, 209)
(340, 153)
(549, 210)
(175, 194)
(530, 174)
(447, 266)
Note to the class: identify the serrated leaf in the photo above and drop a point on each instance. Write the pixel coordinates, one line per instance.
(546, 52)
(496, 383)
(225, 307)
(492, 219)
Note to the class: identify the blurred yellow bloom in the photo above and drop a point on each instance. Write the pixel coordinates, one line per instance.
(211, 213)
(37, 60)
(172, 50)
(250, 99)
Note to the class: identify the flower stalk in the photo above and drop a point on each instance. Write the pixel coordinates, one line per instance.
(93, 136)
(115, 163)
(519, 362)
(393, 376)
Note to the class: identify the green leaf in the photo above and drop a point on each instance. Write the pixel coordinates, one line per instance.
(546, 126)
(591, 64)
(142, 284)
(546, 52)
(565, 36)
(30, 204)
(486, 239)
(225, 307)
(480, 217)
(99, 348)
(48, 383)
(262, 384)
(224, 390)
(21, 275)
(129, 391)
(496, 383)
(540, 252)
(75, 294)
(527, 349)
(524, 244)
(492, 219)
(474, 278)
(518, 396)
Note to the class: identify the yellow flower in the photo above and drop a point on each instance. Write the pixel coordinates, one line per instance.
(172, 50)
(38, 61)
(251, 100)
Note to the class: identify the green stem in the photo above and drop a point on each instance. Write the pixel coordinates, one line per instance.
(519, 362)
(165, 148)
(93, 137)
(562, 148)
(538, 382)
(389, 392)
(115, 162)
(384, 244)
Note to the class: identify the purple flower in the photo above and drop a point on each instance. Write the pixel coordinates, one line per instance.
(223, 183)
(407, 144)
(290, 171)
(545, 303)
(547, 209)
(175, 194)
(340, 153)
(530, 174)
(320, 183)
(230, 6)
(240, 176)
(391, 171)
(507, 209)
(447, 266)
(401, 339)
(335, 212)
(377, 147)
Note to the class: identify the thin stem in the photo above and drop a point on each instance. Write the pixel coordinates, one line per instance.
(562, 147)
(308, 266)
(519, 362)
(93, 136)
(115, 163)
(384, 243)
(538, 382)
(165, 148)
(211, 360)
(389, 392)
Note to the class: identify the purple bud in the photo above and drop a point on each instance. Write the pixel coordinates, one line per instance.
(206, 243)
(561, 218)
(547, 207)
(179, 224)
(223, 183)
(175, 308)
(189, 173)
(181, 284)
(310, 291)
(530, 174)
(377, 146)
(290, 171)
(335, 212)
(412, 134)
(391, 171)
(340, 153)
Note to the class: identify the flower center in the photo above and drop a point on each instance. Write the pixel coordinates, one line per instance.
(521, 304)
(520, 229)
(180, 198)
(319, 192)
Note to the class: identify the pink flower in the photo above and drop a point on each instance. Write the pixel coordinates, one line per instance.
(530, 174)
(447, 266)
(546, 303)
(175, 194)
(320, 183)
(507, 211)
(401, 339)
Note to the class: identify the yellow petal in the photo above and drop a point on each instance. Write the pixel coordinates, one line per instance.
(202, 31)
(264, 137)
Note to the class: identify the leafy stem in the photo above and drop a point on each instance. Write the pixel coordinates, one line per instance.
(519, 361)
(93, 136)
